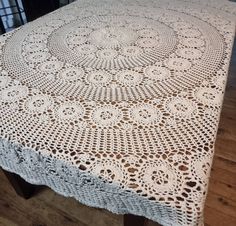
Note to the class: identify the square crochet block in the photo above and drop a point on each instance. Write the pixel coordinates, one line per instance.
(117, 103)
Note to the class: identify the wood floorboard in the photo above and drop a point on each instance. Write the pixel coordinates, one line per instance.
(227, 191)
(222, 204)
(223, 175)
(50, 209)
(33, 211)
(216, 218)
(224, 163)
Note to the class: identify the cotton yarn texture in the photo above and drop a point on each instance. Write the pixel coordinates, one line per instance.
(117, 103)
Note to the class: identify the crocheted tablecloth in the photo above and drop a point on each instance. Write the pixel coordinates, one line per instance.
(117, 103)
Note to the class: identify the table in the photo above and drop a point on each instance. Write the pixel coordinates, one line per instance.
(117, 104)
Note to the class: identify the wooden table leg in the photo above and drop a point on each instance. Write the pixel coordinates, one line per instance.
(22, 188)
(133, 220)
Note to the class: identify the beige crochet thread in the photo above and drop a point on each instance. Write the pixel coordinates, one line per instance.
(117, 103)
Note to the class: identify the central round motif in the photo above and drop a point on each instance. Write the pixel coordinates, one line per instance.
(113, 37)
(112, 57)
(112, 42)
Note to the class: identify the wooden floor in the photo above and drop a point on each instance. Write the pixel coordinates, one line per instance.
(49, 209)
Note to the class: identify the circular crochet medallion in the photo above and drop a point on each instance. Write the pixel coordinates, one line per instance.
(113, 37)
(14, 93)
(209, 96)
(159, 177)
(107, 53)
(98, 78)
(157, 73)
(37, 57)
(178, 64)
(146, 114)
(50, 66)
(76, 40)
(72, 74)
(4, 80)
(106, 116)
(189, 53)
(129, 78)
(69, 111)
(34, 47)
(181, 107)
(192, 42)
(38, 103)
(109, 170)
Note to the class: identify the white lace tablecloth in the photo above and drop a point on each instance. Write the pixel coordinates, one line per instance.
(117, 103)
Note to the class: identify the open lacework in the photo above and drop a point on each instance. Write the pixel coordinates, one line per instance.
(117, 103)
